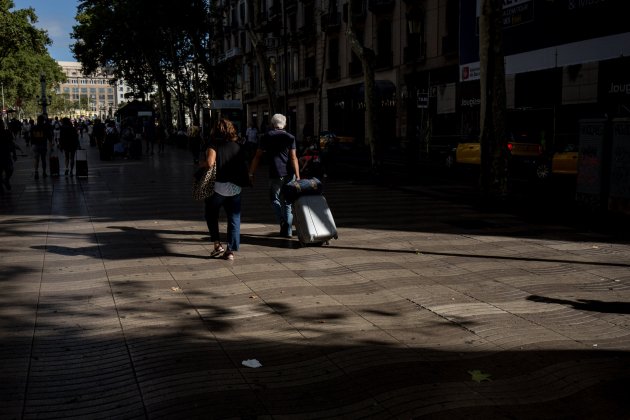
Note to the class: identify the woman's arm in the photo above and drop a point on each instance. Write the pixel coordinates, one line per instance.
(211, 157)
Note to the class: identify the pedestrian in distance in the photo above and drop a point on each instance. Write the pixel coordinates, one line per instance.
(56, 129)
(41, 139)
(15, 126)
(68, 143)
(225, 151)
(280, 147)
(98, 132)
(26, 131)
(251, 140)
(8, 155)
(160, 136)
(148, 130)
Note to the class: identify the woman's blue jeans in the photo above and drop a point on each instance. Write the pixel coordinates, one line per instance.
(232, 206)
(281, 208)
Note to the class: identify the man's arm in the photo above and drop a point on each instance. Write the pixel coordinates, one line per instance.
(294, 163)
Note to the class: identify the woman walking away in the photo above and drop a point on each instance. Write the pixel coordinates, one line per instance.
(225, 151)
(69, 143)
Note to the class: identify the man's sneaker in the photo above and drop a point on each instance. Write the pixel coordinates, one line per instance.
(285, 230)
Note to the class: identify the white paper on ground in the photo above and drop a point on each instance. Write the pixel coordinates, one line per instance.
(252, 363)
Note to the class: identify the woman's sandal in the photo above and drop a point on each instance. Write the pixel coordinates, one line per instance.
(218, 250)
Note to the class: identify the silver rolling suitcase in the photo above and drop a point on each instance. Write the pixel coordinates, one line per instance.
(313, 220)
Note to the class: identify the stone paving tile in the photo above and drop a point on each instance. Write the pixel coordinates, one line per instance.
(112, 307)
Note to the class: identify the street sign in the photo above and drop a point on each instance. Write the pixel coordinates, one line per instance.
(423, 100)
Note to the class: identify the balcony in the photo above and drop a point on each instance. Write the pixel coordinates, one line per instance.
(290, 5)
(269, 23)
(233, 53)
(220, 58)
(272, 43)
(359, 13)
(305, 34)
(333, 73)
(275, 11)
(381, 6)
(306, 84)
(230, 54)
(331, 22)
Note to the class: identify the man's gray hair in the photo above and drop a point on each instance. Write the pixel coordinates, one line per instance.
(278, 121)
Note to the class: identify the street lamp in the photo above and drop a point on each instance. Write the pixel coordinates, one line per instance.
(44, 100)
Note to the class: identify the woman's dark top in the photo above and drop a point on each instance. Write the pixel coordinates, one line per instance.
(231, 164)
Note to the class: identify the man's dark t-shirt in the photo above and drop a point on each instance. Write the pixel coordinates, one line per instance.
(277, 144)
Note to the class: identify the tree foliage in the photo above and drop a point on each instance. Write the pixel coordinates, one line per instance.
(151, 43)
(24, 58)
(260, 50)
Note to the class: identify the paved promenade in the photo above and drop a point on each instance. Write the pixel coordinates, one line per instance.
(425, 307)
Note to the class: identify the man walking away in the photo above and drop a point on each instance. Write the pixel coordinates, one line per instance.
(149, 134)
(41, 137)
(280, 146)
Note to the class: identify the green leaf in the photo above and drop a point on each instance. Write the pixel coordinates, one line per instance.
(479, 376)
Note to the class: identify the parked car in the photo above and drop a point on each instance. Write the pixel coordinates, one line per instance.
(327, 138)
(525, 154)
(563, 162)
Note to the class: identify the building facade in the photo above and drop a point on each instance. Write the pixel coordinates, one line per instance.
(427, 66)
(320, 80)
(88, 96)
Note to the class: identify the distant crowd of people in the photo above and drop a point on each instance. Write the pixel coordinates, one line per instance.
(45, 136)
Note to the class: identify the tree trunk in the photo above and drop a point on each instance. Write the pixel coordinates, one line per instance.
(320, 88)
(367, 57)
(260, 49)
(494, 158)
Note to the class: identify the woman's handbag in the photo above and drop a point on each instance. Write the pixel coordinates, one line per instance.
(203, 182)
